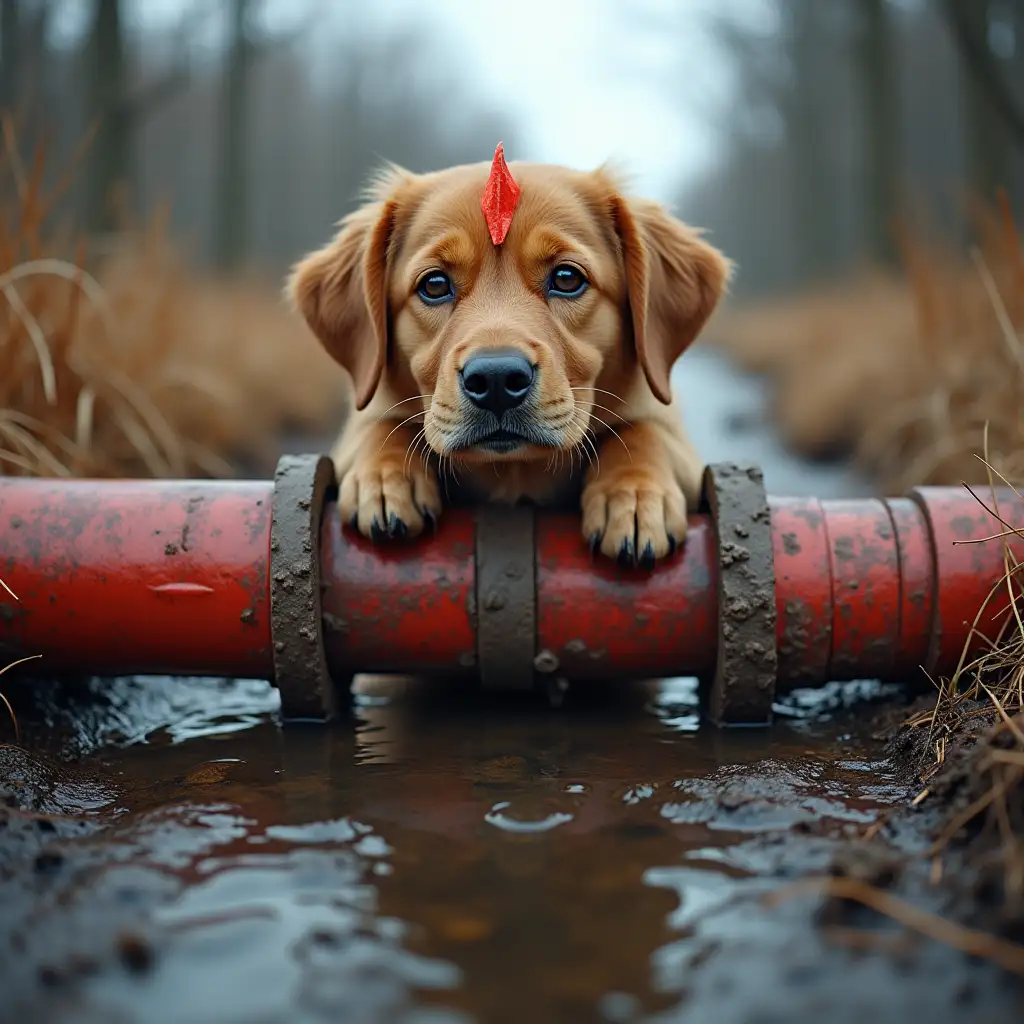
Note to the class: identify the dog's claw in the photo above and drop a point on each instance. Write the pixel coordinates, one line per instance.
(627, 553)
(354, 521)
(672, 545)
(647, 556)
(595, 542)
(396, 527)
(430, 519)
(377, 532)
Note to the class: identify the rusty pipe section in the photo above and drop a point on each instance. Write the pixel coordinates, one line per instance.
(137, 576)
(260, 579)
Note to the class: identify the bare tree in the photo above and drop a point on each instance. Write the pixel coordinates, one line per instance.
(233, 183)
(110, 163)
(117, 109)
(9, 52)
(812, 129)
(993, 112)
(878, 83)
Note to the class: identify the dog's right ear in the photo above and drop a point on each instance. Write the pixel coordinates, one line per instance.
(341, 291)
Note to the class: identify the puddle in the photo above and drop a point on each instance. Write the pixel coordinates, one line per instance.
(440, 860)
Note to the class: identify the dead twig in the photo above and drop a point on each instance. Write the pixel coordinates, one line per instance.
(1008, 955)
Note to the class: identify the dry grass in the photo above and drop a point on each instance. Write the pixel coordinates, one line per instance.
(979, 716)
(971, 745)
(124, 363)
(971, 748)
(903, 373)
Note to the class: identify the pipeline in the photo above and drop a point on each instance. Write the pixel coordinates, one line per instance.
(260, 579)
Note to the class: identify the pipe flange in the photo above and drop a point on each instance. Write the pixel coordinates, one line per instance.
(506, 597)
(301, 485)
(743, 688)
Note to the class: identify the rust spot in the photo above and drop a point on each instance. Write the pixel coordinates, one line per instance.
(962, 526)
(810, 516)
(843, 549)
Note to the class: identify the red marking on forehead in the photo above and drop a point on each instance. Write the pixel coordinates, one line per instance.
(501, 195)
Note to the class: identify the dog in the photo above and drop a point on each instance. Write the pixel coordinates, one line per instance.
(509, 331)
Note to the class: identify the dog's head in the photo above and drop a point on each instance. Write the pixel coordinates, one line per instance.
(508, 347)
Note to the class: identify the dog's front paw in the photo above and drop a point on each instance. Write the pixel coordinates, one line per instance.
(381, 498)
(633, 517)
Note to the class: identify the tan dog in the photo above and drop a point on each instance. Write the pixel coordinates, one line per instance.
(536, 369)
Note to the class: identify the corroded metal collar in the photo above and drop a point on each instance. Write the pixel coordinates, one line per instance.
(301, 485)
(506, 597)
(743, 689)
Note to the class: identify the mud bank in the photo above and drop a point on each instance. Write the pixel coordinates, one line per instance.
(168, 853)
(969, 810)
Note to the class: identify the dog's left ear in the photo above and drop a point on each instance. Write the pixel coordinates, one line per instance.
(674, 281)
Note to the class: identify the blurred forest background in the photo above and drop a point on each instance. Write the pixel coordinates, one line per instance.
(225, 137)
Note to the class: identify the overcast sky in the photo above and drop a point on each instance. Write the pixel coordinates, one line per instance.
(639, 81)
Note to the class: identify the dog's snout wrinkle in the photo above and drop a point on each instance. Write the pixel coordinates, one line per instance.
(497, 381)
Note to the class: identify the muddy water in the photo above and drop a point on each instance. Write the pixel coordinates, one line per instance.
(433, 860)
(168, 853)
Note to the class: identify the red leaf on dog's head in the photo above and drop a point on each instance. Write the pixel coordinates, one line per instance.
(501, 194)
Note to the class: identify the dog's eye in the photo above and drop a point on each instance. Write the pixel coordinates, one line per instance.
(567, 282)
(435, 288)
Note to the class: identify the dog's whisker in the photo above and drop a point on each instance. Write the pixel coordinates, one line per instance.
(559, 425)
(397, 404)
(602, 391)
(399, 426)
(612, 412)
(614, 433)
(446, 466)
(411, 449)
(587, 444)
(581, 445)
(596, 461)
(584, 451)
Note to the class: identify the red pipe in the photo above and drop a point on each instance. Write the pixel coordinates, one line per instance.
(385, 611)
(137, 576)
(175, 576)
(603, 623)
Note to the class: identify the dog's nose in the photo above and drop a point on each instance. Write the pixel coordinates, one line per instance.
(497, 381)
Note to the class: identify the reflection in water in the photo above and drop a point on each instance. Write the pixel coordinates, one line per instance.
(437, 859)
(441, 859)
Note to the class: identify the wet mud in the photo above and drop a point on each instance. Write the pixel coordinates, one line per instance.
(169, 853)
